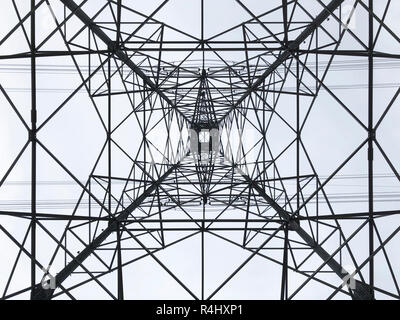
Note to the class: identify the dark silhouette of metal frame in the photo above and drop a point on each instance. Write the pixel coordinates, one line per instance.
(203, 96)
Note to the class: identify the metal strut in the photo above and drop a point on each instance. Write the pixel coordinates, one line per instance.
(117, 50)
(39, 293)
(361, 291)
(288, 50)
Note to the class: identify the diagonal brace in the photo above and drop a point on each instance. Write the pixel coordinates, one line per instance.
(117, 50)
(361, 291)
(45, 294)
(288, 50)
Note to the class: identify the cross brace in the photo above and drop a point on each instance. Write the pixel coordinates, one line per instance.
(288, 50)
(39, 293)
(361, 291)
(117, 49)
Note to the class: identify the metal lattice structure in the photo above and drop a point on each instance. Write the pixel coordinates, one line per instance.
(202, 149)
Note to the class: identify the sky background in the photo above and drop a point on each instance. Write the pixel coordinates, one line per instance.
(75, 135)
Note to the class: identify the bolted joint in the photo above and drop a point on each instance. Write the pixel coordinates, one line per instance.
(294, 224)
(291, 46)
(113, 225)
(114, 46)
(31, 135)
(40, 292)
(362, 291)
(372, 134)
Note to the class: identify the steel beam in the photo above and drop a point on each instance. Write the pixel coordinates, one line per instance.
(361, 292)
(291, 47)
(117, 50)
(32, 139)
(45, 294)
(371, 138)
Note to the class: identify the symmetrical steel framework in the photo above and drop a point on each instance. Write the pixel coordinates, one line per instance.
(162, 178)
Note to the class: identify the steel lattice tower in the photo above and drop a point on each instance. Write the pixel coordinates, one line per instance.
(262, 151)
